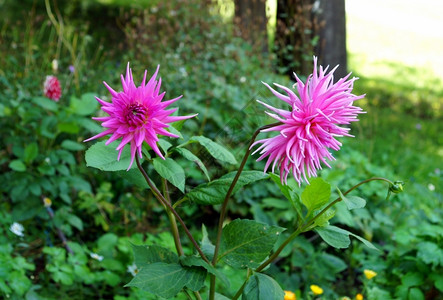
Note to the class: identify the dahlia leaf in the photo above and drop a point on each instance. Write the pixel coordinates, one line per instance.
(206, 245)
(171, 171)
(214, 192)
(246, 243)
(196, 278)
(339, 238)
(104, 157)
(262, 287)
(165, 145)
(287, 191)
(215, 150)
(161, 279)
(190, 156)
(144, 255)
(194, 261)
(352, 202)
(134, 176)
(316, 194)
(334, 236)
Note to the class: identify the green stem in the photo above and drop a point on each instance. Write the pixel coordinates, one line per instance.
(172, 220)
(164, 202)
(225, 205)
(304, 227)
(240, 290)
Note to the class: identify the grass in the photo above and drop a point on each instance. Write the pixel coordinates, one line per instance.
(393, 47)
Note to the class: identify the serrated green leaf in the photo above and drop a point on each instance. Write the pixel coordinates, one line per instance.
(45, 103)
(262, 287)
(31, 152)
(192, 261)
(161, 279)
(17, 165)
(216, 150)
(72, 145)
(104, 157)
(171, 171)
(144, 255)
(246, 243)
(214, 192)
(196, 278)
(190, 156)
(316, 194)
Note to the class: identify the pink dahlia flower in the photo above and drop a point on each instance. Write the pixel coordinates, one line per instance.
(308, 130)
(52, 88)
(137, 115)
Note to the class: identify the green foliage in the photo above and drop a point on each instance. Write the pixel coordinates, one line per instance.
(218, 74)
(316, 194)
(262, 287)
(104, 157)
(171, 171)
(217, 151)
(246, 243)
(213, 192)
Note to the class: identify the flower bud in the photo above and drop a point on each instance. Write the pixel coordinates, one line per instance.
(397, 187)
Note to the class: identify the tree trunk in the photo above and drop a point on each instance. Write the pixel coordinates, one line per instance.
(297, 26)
(308, 27)
(251, 22)
(331, 48)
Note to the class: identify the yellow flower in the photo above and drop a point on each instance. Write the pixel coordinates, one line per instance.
(359, 297)
(316, 289)
(290, 296)
(345, 298)
(47, 202)
(369, 274)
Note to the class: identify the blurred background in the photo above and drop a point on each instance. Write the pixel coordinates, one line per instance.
(216, 53)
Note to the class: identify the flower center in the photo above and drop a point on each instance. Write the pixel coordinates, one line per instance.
(136, 114)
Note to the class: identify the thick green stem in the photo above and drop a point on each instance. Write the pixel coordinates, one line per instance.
(304, 227)
(225, 205)
(165, 202)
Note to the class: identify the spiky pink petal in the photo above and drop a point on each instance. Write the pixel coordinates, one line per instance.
(309, 128)
(137, 115)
